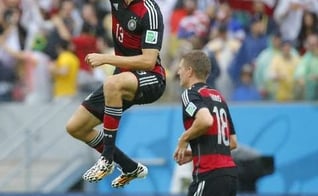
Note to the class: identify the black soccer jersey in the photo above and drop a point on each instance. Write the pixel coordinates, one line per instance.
(135, 27)
(210, 151)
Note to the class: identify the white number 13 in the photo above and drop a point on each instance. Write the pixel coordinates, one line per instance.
(119, 33)
(222, 126)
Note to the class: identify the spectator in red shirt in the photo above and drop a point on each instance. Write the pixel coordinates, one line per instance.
(187, 8)
(84, 44)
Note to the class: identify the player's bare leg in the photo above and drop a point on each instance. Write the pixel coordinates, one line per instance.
(81, 125)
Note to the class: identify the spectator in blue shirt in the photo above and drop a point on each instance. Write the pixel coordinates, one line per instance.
(246, 90)
(255, 41)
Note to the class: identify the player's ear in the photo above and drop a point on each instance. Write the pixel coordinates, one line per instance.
(191, 71)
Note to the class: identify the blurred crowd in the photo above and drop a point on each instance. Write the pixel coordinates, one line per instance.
(43, 44)
(259, 49)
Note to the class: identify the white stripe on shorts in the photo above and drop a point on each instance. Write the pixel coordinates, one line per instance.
(200, 189)
(148, 80)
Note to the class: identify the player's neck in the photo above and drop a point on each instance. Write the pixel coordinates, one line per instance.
(128, 1)
(195, 81)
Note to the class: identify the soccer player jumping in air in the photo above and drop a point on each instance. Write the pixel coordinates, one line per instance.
(139, 78)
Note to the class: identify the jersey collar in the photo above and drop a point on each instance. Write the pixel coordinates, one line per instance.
(199, 84)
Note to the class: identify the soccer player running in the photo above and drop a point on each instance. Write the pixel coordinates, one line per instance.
(208, 129)
(139, 78)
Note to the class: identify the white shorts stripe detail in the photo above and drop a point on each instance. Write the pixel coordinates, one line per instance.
(200, 189)
(147, 77)
(149, 80)
(149, 83)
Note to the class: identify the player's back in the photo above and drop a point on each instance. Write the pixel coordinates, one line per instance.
(211, 151)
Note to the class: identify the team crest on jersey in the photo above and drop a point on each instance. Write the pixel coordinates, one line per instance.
(191, 108)
(151, 37)
(132, 24)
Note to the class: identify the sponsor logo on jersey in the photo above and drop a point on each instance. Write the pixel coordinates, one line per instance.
(151, 37)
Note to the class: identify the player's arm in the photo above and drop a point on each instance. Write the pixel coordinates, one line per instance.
(202, 122)
(233, 138)
(233, 142)
(145, 61)
(187, 157)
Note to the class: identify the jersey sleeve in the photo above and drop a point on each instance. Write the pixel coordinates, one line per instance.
(192, 102)
(152, 34)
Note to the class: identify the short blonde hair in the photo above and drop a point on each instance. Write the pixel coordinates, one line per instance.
(199, 62)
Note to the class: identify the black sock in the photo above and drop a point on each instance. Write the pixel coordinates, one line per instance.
(109, 144)
(126, 163)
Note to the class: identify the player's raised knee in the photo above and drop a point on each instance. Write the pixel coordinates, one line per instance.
(72, 128)
(112, 84)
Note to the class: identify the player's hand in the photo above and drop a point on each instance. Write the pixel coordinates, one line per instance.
(186, 158)
(180, 154)
(95, 59)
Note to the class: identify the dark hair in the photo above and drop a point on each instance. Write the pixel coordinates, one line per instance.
(199, 62)
(63, 44)
(7, 15)
(86, 28)
(304, 31)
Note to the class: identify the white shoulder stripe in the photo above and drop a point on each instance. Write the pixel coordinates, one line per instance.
(185, 98)
(153, 15)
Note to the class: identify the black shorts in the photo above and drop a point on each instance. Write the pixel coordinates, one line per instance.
(150, 88)
(218, 186)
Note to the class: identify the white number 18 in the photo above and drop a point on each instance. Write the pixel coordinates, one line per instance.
(222, 126)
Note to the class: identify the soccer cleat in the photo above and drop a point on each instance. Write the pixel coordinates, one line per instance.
(125, 178)
(99, 170)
